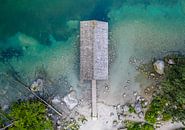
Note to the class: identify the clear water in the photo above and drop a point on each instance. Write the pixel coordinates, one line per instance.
(45, 34)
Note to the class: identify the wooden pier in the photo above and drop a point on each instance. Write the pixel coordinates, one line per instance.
(94, 113)
(93, 55)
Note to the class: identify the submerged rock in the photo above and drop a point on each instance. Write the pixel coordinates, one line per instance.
(56, 100)
(37, 85)
(159, 66)
(171, 62)
(71, 100)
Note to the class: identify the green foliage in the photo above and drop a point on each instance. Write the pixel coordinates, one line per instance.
(172, 93)
(151, 116)
(70, 125)
(131, 109)
(156, 108)
(166, 116)
(29, 115)
(138, 126)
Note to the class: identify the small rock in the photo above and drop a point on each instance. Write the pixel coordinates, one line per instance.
(59, 122)
(171, 62)
(135, 93)
(141, 115)
(107, 87)
(124, 94)
(138, 98)
(152, 74)
(138, 107)
(111, 114)
(76, 113)
(115, 123)
(145, 103)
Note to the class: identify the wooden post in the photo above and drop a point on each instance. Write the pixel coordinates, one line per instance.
(94, 113)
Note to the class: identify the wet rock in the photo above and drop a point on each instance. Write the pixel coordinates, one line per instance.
(159, 66)
(37, 85)
(71, 100)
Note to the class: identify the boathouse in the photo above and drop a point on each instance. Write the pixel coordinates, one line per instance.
(93, 54)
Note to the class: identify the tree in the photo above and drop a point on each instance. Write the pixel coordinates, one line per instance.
(29, 115)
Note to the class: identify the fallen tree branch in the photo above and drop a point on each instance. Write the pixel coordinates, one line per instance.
(9, 125)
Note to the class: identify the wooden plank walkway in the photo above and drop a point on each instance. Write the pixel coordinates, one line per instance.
(94, 105)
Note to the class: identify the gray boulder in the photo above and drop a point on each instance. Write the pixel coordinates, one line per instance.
(159, 66)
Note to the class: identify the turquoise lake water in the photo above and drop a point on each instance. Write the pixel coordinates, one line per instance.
(44, 34)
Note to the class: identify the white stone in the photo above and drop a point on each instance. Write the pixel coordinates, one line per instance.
(70, 100)
(159, 66)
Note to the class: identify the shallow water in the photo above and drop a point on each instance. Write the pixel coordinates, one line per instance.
(44, 34)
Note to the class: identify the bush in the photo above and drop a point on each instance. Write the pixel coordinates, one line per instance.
(156, 108)
(131, 109)
(166, 116)
(151, 117)
(30, 115)
(138, 126)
